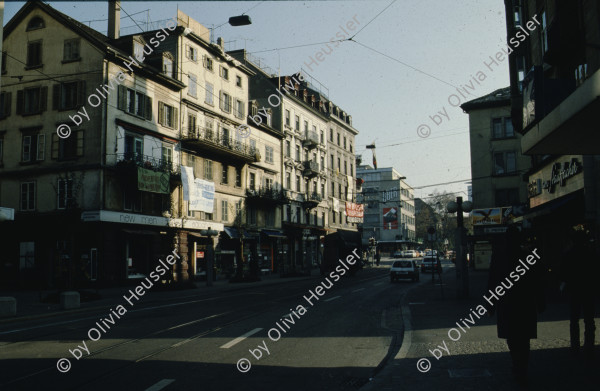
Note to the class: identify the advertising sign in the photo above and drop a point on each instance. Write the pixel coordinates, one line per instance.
(559, 178)
(153, 181)
(390, 218)
(487, 216)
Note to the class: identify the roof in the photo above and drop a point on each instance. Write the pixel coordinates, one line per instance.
(498, 98)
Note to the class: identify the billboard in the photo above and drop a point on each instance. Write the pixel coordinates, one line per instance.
(487, 216)
(390, 218)
(355, 212)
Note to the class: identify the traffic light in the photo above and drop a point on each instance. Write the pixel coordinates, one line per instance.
(372, 242)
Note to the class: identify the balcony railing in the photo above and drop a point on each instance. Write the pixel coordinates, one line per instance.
(220, 141)
(267, 195)
(148, 162)
(312, 200)
(311, 139)
(311, 168)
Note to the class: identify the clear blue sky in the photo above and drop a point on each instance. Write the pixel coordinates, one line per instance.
(449, 40)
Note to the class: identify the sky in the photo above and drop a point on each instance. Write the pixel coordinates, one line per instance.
(399, 73)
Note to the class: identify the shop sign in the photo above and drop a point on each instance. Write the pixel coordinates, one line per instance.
(556, 180)
(560, 174)
(390, 195)
(153, 181)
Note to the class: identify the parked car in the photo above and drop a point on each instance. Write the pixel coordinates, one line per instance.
(397, 254)
(409, 254)
(429, 264)
(406, 268)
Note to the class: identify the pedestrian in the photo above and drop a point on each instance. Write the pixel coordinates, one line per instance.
(378, 257)
(579, 269)
(516, 309)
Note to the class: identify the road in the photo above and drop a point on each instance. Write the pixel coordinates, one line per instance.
(190, 341)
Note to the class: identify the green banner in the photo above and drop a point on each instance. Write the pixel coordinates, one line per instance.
(152, 181)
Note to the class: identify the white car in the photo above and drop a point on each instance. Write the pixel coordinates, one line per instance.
(409, 254)
(406, 268)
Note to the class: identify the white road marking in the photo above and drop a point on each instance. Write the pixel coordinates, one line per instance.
(333, 298)
(358, 290)
(240, 339)
(160, 385)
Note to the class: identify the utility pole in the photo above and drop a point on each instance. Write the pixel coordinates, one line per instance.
(462, 271)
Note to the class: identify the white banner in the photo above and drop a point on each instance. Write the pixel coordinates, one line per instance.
(187, 179)
(199, 193)
(350, 188)
(336, 204)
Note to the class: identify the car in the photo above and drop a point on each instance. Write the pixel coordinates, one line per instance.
(409, 254)
(397, 254)
(406, 268)
(429, 264)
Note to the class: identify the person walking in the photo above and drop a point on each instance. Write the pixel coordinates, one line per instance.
(378, 256)
(579, 283)
(516, 309)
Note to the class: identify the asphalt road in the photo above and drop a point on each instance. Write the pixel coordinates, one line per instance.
(193, 341)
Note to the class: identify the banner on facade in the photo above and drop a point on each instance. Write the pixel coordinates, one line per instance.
(153, 181)
(355, 210)
(390, 218)
(336, 204)
(199, 193)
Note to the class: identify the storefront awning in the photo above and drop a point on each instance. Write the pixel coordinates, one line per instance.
(273, 233)
(233, 233)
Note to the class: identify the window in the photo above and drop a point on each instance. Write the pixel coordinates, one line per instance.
(297, 152)
(332, 165)
(298, 184)
(288, 148)
(338, 139)
(5, 104)
(191, 52)
(4, 59)
(33, 147)
(339, 166)
(225, 174)
(268, 154)
(270, 217)
(68, 95)
(135, 103)
(132, 201)
(71, 50)
(32, 100)
(305, 127)
(65, 193)
(1, 150)
(251, 216)
(297, 118)
(333, 213)
(344, 142)
(134, 147)
(224, 72)
(167, 115)
(27, 196)
(35, 23)
(322, 164)
(252, 185)
(208, 63)
(192, 124)
(322, 190)
(345, 168)
(351, 169)
(502, 128)
(167, 155)
(238, 81)
(167, 66)
(208, 97)
(208, 169)
(138, 51)
(34, 54)
(298, 214)
(238, 210)
(333, 189)
(507, 197)
(288, 181)
(339, 191)
(287, 118)
(67, 148)
(225, 101)
(208, 216)
(192, 85)
(322, 137)
(504, 163)
(238, 177)
(350, 147)
(240, 109)
(544, 34)
(224, 210)
(331, 135)
(268, 183)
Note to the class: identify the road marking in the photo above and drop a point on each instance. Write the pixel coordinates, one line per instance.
(358, 290)
(160, 385)
(333, 298)
(240, 339)
(379, 283)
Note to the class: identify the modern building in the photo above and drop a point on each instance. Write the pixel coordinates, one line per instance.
(389, 212)
(555, 83)
(497, 165)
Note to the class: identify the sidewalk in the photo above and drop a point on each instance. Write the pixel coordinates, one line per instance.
(479, 360)
(30, 307)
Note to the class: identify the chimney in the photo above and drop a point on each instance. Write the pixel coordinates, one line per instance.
(114, 19)
(221, 43)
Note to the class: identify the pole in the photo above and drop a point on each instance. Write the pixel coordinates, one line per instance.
(462, 277)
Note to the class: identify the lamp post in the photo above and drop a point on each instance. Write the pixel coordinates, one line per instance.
(462, 271)
(210, 254)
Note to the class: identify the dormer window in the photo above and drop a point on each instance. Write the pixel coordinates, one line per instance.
(167, 64)
(138, 51)
(35, 24)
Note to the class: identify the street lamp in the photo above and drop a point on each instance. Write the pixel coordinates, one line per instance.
(210, 254)
(462, 276)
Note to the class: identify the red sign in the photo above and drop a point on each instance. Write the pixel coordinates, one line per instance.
(390, 218)
(355, 210)
(199, 254)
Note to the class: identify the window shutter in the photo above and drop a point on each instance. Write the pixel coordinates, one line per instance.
(55, 96)
(80, 93)
(7, 104)
(204, 61)
(55, 146)
(122, 98)
(43, 99)
(243, 110)
(148, 110)
(175, 118)
(161, 115)
(20, 102)
(41, 146)
(79, 143)
(221, 100)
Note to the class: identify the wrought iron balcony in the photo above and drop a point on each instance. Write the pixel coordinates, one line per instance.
(132, 159)
(267, 196)
(312, 200)
(311, 169)
(219, 142)
(311, 139)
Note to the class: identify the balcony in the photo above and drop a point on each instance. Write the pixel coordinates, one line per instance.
(311, 169)
(311, 140)
(312, 200)
(134, 160)
(267, 196)
(219, 143)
